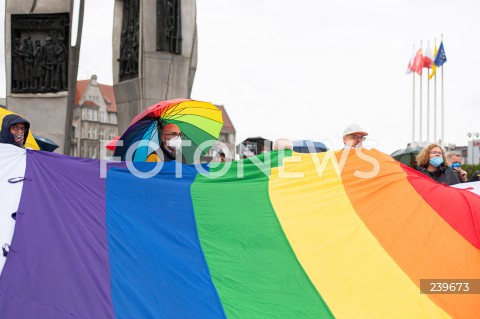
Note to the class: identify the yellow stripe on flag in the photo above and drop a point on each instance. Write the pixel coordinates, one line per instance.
(350, 269)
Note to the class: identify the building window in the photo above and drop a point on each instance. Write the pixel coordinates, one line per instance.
(101, 134)
(73, 132)
(90, 114)
(112, 134)
(102, 116)
(94, 133)
(95, 115)
(113, 118)
(89, 135)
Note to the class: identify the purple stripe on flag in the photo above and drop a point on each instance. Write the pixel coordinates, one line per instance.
(58, 263)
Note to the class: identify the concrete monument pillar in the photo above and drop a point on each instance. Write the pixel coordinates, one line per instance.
(154, 53)
(41, 64)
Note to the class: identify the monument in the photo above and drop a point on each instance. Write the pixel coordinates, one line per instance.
(41, 65)
(154, 53)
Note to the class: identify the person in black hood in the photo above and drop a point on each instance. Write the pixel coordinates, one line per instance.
(14, 130)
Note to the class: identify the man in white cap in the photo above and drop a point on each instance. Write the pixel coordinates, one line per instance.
(353, 136)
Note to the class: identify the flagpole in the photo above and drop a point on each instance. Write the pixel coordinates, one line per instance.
(413, 102)
(421, 77)
(435, 104)
(413, 112)
(443, 111)
(443, 108)
(428, 99)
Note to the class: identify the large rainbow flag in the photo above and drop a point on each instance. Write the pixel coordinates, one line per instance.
(329, 235)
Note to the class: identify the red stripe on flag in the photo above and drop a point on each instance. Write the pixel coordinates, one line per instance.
(458, 207)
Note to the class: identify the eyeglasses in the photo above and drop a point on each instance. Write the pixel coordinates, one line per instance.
(18, 128)
(174, 134)
(435, 152)
(357, 137)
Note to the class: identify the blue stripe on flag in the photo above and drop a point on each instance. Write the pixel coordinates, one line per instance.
(157, 266)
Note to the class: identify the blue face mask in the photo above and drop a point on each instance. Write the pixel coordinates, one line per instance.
(455, 165)
(436, 161)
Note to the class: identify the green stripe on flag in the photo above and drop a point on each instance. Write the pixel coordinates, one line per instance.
(251, 262)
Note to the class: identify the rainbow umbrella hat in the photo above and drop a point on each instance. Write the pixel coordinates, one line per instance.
(199, 122)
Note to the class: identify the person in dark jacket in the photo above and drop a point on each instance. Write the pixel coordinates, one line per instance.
(14, 130)
(455, 159)
(432, 162)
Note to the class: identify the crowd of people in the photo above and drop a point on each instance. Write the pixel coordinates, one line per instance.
(444, 168)
(432, 161)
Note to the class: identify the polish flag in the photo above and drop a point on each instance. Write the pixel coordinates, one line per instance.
(428, 58)
(418, 62)
(410, 67)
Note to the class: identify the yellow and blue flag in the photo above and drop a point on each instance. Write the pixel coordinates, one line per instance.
(434, 66)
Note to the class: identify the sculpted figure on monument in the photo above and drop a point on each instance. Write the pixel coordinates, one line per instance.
(49, 64)
(135, 47)
(38, 43)
(170, 19)
(132, 54)
(28, 64)
(129, 53)
(61, 58)
(129, 40)
(17, 62)
(126, 48)
(169, 33)
(37, 65)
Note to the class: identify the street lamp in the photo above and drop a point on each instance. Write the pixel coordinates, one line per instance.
(473, 136)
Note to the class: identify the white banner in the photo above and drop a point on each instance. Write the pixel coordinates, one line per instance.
(12, 164)
(474, 187)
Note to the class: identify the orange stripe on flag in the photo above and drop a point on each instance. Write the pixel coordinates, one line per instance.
(422, 243)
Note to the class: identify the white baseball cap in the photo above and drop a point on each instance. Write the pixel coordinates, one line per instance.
(354, 128)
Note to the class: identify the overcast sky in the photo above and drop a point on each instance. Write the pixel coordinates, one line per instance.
(306, 69)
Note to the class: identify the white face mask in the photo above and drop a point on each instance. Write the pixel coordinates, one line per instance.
(175, 143)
